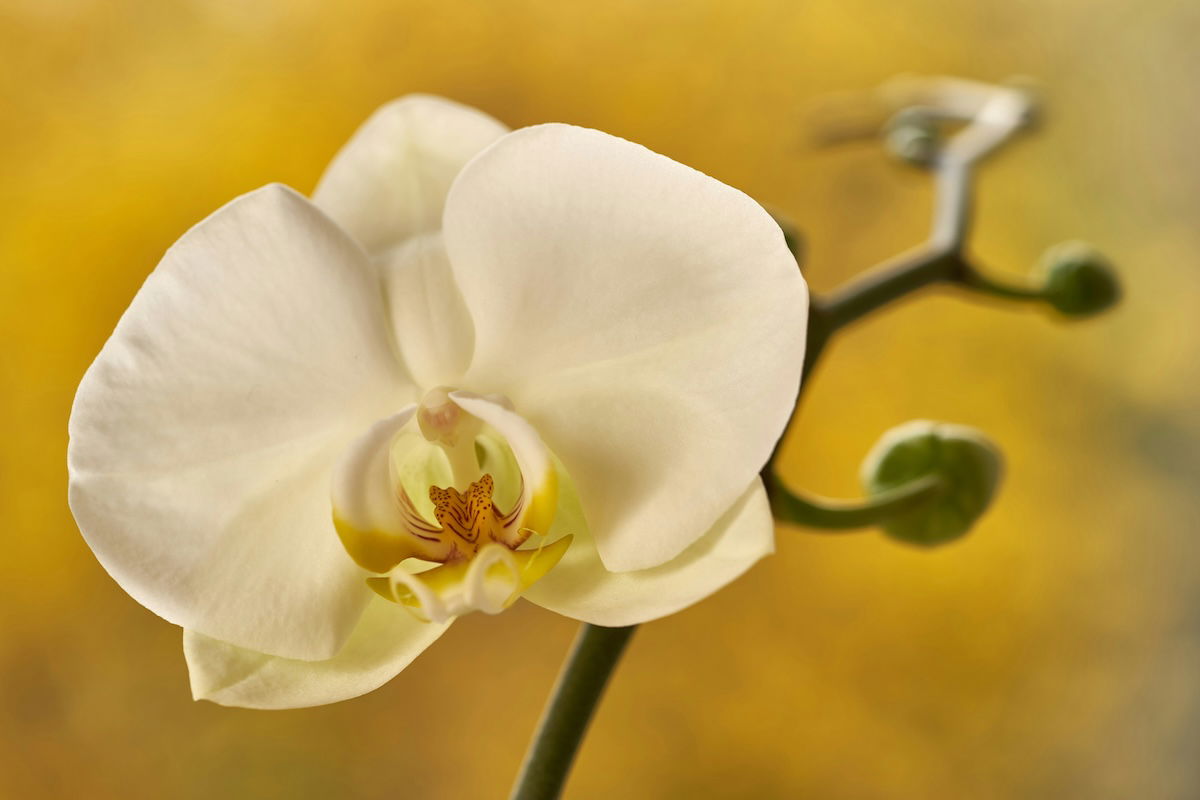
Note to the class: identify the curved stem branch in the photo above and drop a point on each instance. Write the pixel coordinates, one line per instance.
(569, 711)
(892, 280)
(835, 516)
(993, 116)
(984, 284)
(996, 116)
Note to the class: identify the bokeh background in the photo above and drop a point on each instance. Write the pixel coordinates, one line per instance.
(1054, 653)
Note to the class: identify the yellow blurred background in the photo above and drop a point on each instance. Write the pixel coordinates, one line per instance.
(1054, 653)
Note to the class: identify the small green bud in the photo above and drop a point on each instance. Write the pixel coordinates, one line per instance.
(912, 136)
(1077, 280)
(963, 459)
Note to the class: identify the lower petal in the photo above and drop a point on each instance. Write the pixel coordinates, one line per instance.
(580, 587)
(386, 641)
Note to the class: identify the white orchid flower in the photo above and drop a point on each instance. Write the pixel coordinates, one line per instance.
(477, 365)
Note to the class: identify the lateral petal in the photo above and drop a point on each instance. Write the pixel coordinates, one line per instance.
(204, 434)
(580, 587)
(646, 319)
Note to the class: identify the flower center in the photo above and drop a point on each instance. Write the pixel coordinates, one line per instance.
(442, 505)
(468, 521)
(467, 516)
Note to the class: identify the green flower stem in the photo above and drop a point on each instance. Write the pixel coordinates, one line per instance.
(908, 272)
(890, 281)
(835, 516)
(940, 259)
(984, 284)
(571, 706)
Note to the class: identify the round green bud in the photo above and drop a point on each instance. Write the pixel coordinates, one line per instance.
(967, 465)
(1077, 280)
(912, 136)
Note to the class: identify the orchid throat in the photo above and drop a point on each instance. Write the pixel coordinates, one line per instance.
(449, 490)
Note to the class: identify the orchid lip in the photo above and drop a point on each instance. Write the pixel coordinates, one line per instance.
(439, 485)
(490, 582)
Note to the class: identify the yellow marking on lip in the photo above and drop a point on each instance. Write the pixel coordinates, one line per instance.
(473, 518)
(542, 505)
(445, 580)
(374, 550)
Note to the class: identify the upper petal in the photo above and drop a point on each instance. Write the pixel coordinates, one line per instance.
(389, 182)
(385, 641)
(432, 325)
(203, 436)
(646, 319)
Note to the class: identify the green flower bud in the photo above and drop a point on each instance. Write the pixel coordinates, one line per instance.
(967, 464)
(912, 135)
(1077, 280)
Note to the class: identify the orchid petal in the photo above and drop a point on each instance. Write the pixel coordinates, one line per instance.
(650, 325)
(385, 641)
(433, 327)
(203, 436)
(390, 180)
(581, 588)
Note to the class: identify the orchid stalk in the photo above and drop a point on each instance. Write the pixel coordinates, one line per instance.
(479, 365)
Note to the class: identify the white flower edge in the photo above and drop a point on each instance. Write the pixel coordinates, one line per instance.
(385, 641)
(581, 587)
